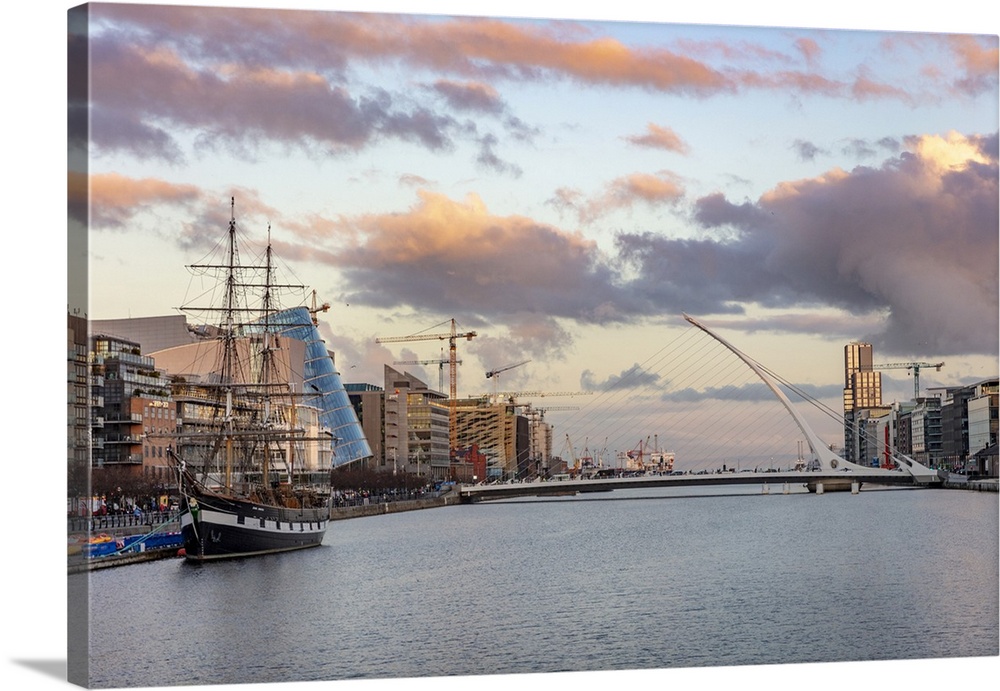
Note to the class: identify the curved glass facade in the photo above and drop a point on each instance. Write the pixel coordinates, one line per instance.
(323, 387)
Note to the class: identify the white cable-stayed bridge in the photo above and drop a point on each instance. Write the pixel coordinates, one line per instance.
(720, 416)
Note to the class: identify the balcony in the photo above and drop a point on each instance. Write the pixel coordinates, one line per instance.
(132, 459)
(122, 439)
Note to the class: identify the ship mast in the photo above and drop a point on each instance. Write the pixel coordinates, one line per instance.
(267, 364)
(229, 345)
(250, 419)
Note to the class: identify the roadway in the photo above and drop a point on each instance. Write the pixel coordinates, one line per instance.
(827, 480)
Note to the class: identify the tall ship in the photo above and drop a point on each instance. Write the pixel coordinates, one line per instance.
(263, 425)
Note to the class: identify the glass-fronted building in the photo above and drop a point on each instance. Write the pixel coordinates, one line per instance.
(862, 391)
(322, 386)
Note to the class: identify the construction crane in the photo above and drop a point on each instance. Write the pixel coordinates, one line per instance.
(452, 337)
(325, 307)
(541, 411)
(440, 363)
(494, 374)
(511, 395)
(915, 366)
(538, 414)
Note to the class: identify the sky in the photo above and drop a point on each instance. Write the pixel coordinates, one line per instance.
(611, 172)
(564, 188)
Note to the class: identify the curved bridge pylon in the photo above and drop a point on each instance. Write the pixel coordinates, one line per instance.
(828, 460)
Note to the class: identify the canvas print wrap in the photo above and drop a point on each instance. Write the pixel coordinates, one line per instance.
(426, 346)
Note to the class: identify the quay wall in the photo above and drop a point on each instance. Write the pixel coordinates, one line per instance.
(78, 563)
(378, 508)
(989, 485)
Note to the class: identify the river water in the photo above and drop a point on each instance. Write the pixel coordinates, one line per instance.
(611, 581)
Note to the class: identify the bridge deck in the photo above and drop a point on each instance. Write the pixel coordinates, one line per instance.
(474, 493)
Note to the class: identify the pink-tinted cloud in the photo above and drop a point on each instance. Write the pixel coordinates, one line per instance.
(469, 96)
(810, 50)
(116, 199)
(910, 245)
(865, 89)
(915, 239)
(246, 78)
(979, 61)
(157, 91)
(664, 188)
(966, 68)
(459, 257)
(660, 137)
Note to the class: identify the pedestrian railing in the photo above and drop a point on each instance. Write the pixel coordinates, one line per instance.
(96, 524)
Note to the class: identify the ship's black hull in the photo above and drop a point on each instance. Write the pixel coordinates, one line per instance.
(220, 528)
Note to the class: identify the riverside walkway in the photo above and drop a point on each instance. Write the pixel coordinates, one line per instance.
(119, 528)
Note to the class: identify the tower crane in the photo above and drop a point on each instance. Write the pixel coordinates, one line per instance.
(441, 362)
(452, 337)
(541, 411)
(325, 307)
(915, 366)
(511, 395)
(494, 374)
(538, 414)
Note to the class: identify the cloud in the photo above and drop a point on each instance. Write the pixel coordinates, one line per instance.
(634, 377)
(807, 150)
(489, 159)
(454, 257)
(978, 62)
(810, 50)
(522, 335)
(748, 393)
(115, 202)
(663, 188)
(854, 147)
(909, 249)
(140, 94)
(240, 79)
(471, 96)
(915, 239)
(658, 137)
(745, 393)
(844, 325)
(116, 199)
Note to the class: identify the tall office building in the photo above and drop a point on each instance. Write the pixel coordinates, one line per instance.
(862, 390)
(862, 384)
(416, 426)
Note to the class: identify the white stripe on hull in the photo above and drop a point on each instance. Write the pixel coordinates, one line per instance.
(220, 535)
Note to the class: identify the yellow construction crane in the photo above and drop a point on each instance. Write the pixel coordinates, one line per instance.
(452, 337)
(325, 307)
(915, 366)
